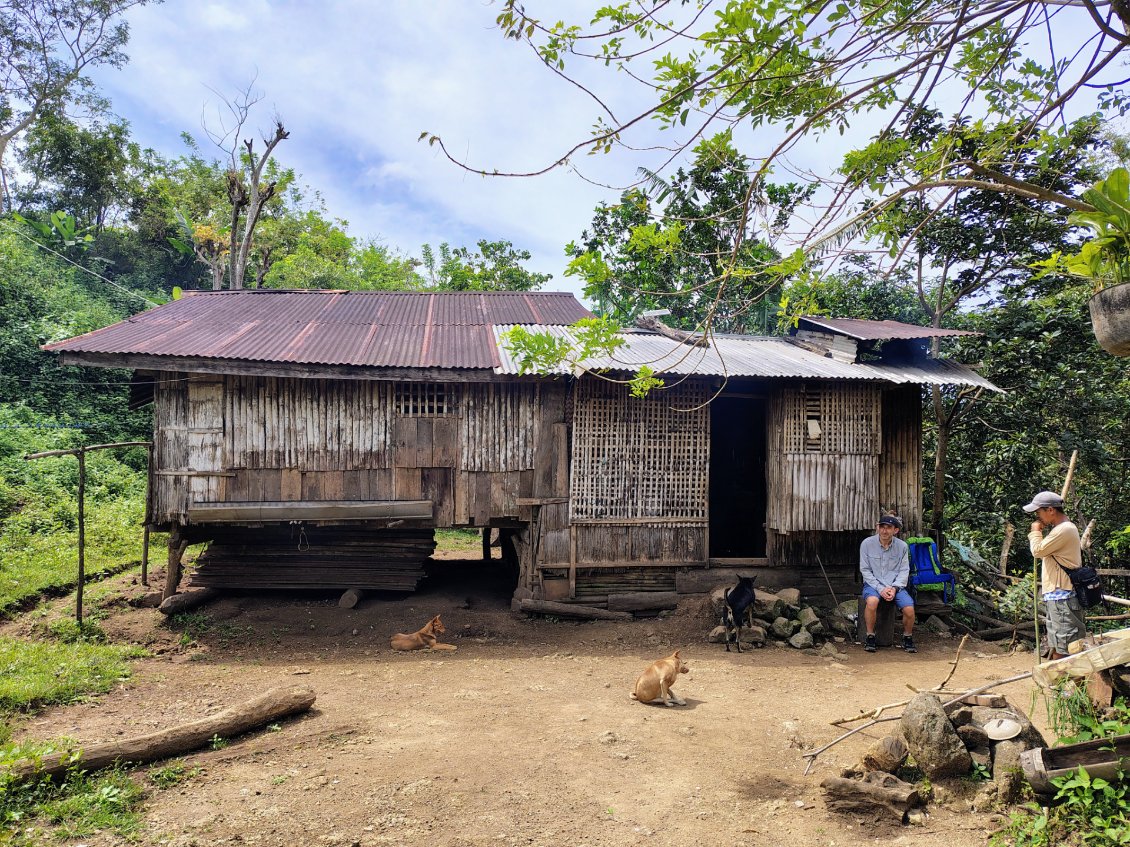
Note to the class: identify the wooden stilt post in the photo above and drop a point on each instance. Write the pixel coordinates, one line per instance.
(486, 543)
(145, 556)
(177, 546)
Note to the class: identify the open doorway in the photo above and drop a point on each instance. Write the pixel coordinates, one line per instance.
(737, 477)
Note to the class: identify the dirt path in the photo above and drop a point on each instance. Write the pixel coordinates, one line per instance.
(523, 736)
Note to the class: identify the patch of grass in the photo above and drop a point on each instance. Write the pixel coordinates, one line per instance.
(36, 811)
(191, 626)
(219, 742)
(36, 673)
(460, 541)
(172, 774)
(70, 631)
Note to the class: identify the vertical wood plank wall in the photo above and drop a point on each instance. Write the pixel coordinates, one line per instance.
(823, 457)
(900, 466)
(469, 448)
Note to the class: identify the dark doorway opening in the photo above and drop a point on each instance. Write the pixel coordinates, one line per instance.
(737, 477)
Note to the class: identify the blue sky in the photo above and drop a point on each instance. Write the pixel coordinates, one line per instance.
(356, 83)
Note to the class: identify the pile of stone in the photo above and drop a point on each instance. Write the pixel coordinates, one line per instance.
(983, 732)
(781, 617)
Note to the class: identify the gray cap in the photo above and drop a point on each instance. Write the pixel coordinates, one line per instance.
(893, 520)
(1043, 500)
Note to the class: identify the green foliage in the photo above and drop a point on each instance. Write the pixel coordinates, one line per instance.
(37, 673)
(496, 267)
(172, 774)
(1091, 812)
(547, 352)
(70, 631)
(696, 245)
(1074, 717)
(82, 805)
(1104, 259)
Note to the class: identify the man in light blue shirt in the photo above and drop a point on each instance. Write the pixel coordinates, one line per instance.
(884, 562)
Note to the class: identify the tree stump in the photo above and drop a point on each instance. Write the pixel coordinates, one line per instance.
(876, 792)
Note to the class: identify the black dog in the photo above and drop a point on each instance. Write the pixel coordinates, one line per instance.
(737, 605)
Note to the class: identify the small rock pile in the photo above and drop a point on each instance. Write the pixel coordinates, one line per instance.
(944, 745)
(780, 616)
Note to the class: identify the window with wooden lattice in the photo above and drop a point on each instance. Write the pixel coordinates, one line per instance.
(838, 419)
(639, 458)
(425, 399)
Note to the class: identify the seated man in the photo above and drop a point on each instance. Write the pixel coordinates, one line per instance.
(884, 562)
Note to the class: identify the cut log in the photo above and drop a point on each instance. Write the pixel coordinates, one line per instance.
(875, 792)
(269, 706)
(572, 610)
(637, 601)
(351, 598)
(187, 600)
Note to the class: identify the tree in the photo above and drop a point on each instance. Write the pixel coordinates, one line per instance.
(45, 48)
(90, 171)
(675, 245)
(793, 71)
(496, 267)
(247, 191)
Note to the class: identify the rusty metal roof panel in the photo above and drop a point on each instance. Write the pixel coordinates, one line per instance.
(373, 329)
(879, 330)
(749, 356)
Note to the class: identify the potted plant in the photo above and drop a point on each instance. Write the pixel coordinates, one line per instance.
(1105, 260)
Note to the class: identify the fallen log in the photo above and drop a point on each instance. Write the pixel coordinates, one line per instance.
(572, 610)
(269, 706)
(875, 792)
(351, 598)
(187, 600)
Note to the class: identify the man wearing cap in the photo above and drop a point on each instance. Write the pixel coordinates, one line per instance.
(884, 562)
(1059, 552)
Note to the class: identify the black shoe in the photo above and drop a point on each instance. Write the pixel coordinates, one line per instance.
(908, 644)
(870, 645)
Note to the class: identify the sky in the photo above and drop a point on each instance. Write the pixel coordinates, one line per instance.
(356, 83)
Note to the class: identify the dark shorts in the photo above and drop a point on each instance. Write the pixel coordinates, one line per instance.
(902, 598)
(1065, 623)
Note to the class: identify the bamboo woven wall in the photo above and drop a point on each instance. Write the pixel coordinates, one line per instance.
(823, 457)
(470, 449)
(639, 458)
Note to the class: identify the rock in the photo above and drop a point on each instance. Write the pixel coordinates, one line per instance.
(961, 716)
(887, 754)
(783, 627)
(754, 635)
(1008, 776)
(789, 596)
(986, 798)
(830, 651)
(936, 625)
(766, 605)
(807, 617)
(982, 756)
(972, 736)
(844, 617)
(764, 624)
(932, 740)
(816, 630)
(801, 640)
(917, 817)
(717, 635)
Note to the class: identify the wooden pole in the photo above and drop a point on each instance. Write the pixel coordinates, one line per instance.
(80, 454)
(145, 556)
(1009, 532)
(81, 536)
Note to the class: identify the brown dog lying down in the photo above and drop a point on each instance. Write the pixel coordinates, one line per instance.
(423, 638)
(654, 684)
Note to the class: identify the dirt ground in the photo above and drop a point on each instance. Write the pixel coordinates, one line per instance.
(523, 736)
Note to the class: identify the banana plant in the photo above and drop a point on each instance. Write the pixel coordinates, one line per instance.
(60, 231)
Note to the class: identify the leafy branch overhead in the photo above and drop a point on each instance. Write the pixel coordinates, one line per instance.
(791, 71)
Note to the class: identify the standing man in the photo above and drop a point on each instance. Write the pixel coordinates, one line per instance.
(1059, 552)
(884, 562)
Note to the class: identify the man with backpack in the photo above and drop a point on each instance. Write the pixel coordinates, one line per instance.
(1059, 552)
(884, 563)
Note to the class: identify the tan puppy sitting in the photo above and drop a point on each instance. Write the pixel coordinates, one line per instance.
(424, 638)
(654, 684)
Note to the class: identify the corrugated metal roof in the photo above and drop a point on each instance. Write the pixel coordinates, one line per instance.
(363, 328)
(752, 356)
(880, 330)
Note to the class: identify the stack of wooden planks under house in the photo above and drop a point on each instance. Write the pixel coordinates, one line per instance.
(315, 557)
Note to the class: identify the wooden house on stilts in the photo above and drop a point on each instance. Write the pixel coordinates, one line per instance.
(318, 438)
